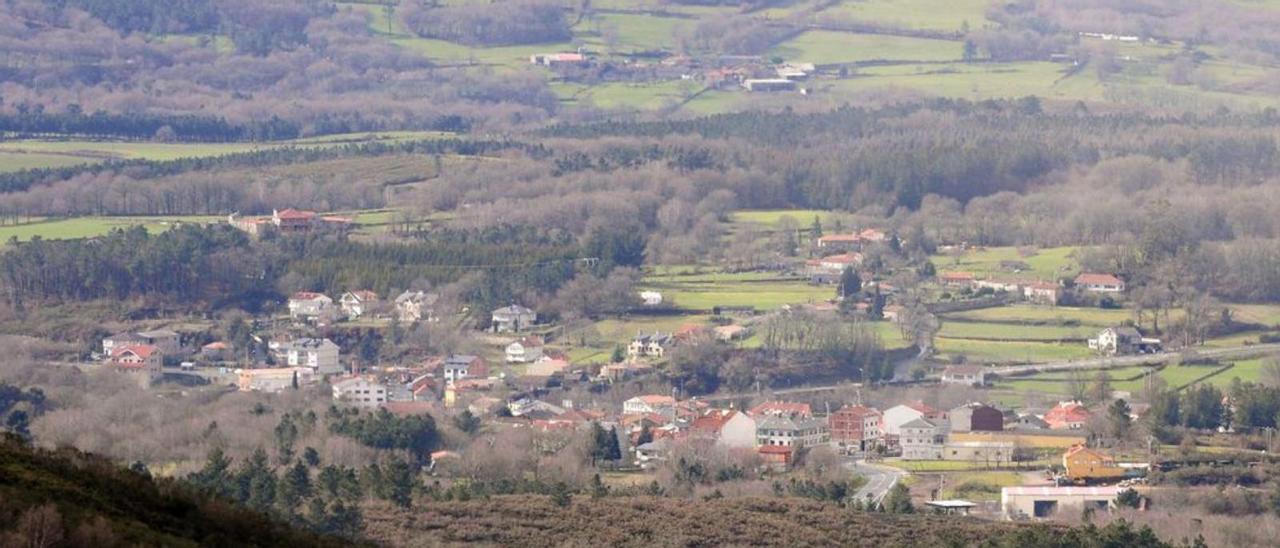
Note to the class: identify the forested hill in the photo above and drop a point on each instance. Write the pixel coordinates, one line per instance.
(68, 498)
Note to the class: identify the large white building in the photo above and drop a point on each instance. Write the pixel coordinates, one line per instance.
(360, 392)
(321, 355)
(796, 432)
(922, 439)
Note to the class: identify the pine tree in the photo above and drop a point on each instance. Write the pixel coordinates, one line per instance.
(399, 480)
(615, 447)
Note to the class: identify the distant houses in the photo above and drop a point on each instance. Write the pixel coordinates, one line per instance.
(416, 306)
(356, 304)
(142, 360)
(769, 84)
(309, 306)
(360, 392)
(526, 350)
(856, 427)
(289, 221)
(650, 345)
(1122, 340)
(512, 319)
(967, 375)
(274, 380)
(1067, 415)
(319, 355)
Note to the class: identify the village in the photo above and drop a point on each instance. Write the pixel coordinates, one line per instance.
(526, 379)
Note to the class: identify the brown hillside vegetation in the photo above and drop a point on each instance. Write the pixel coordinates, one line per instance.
(644, 521)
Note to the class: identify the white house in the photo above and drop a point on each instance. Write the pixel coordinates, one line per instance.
(921, 439)
(321, 355)
(737, 432)
(525, 350)
(463, 366)
(651, 298)
(512, 319)
(360, 392)
(968, 375)
(274, 379)
(652, 403)
(414, 306)
(309, 306)
(1099, 283)
(358, 303)
(1123, 340)
(653, 345)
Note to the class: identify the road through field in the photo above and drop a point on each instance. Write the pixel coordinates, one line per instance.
(880, 479)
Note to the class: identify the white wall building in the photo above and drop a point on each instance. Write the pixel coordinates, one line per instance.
(321, 355)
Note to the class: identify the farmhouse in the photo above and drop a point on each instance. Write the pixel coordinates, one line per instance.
(289, 221)
(1067, 415)
(414, 306)
(968, 375)
(512, 319)
(855, 427)
(921, 439)
(1121, 340)
(358, 303)
(651, 298)
(1099, 283)
(1048, 502)
(1082, 463)
(109, 344)
(828, 269)
(733, 332)
(554, 59)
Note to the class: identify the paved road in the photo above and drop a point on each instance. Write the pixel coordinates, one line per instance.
(1141, 359)
(880, 479)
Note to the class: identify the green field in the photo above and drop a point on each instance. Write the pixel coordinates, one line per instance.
(1048, 315)
(1002, 331)
(17, 161)
(1044, 264)
(1011, 352)
(915, 14)
(979, 486)
(771, 217)
(88, 227)
(626, 32)
(827, 47)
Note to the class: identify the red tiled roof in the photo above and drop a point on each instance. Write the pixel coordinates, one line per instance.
(775, 449)
(840, 238)
(143, 351)
(294, 214)
(843, 258)
(1093, 278)
(712, 422)
(781, 408)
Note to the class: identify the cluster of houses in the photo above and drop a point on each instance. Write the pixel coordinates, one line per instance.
(780, 432)
(320, 309)
(290, 221)
(836, 252)
(1033, 290)
(141, 353)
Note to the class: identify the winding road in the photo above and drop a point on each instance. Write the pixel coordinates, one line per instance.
(880, 479)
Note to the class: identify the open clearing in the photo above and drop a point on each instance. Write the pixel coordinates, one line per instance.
(828, 47)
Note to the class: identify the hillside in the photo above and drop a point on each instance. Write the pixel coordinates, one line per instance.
(98, 503)
(643, 521)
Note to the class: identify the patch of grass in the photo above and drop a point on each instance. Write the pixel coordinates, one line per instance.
(1048, 315)
(825, 47)
(633, 32)
(1002, 331)
(17, 161)
(89, 227)
(1011, 352)
(762, 296)
(1045, 264)
(772, 217)
(916, 14)
(979, 486)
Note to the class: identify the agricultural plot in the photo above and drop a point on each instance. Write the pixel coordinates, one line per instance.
(770, 218)
(626, 33)
(1011, 332)
(18, 161)
(89, 227)
(915, 14)
(1010, 352)
(828, 47)
(126, 149)
(1045, 315)
(979, 486)
(1046, 264)
(628, 95)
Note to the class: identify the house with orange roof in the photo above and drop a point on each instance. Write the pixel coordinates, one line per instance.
(358, 303)
(144, 360)
(1099, 283)
(781, 408)
(1067, 415)
(1084, 464)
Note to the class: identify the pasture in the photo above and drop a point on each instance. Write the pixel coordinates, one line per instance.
(89, 227)
(1044, 264)
(1010, 352)
(915, 14)
(828, 47)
